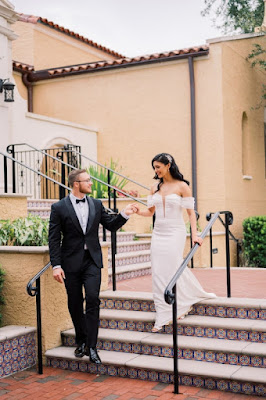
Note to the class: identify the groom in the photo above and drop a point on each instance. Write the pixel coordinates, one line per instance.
(76, 256)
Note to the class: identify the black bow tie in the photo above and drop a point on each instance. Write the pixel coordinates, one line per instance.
(78, 200)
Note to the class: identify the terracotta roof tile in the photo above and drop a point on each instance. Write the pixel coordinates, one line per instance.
(118, 63)
(34, 20)
(22, 67)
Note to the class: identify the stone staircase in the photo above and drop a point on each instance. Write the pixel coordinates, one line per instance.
(133, 253)
(221, 344)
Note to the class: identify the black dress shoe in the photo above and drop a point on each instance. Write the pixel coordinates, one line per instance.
(80, 350)
(94, 356)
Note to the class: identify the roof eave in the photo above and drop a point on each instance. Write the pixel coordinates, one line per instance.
(47, 74)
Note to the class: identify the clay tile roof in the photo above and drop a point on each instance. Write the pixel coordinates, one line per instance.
(22, 67)
(34, 20)
(100, 65)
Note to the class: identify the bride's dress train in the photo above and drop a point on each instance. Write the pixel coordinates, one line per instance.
(167, 246)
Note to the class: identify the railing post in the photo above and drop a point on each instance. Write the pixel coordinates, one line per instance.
(113, 249)
(5, 174)
(175, 345)
(228, 221)
(11, 150)
(104, 234)
(238, 251)
(39, 325)
(211, 256)
(191, 245)
(109, 188)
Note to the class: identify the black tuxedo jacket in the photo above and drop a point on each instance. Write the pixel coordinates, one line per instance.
(66, 237)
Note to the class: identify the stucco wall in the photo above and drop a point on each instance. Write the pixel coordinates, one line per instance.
(44, 47)
(245, 197)
(141, 111)
(13, 206)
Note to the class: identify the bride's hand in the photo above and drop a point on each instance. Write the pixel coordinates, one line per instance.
(197, 239)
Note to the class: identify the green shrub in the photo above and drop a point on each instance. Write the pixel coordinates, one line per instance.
(28, 231)
(255, 241)
(99, 190)
(2, 301)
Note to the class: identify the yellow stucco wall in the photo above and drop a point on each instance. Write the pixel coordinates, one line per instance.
(20, 265)
(242, 88)
(44, 47)
(13, 206)
(141, 111)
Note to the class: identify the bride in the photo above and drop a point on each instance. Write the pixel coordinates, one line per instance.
(167, 199)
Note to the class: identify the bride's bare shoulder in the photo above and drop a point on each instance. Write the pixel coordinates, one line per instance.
(154, 188)
(184, 189)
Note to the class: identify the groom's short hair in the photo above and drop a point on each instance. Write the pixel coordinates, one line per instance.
(73, 176)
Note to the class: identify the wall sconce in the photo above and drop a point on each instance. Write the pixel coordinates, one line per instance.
(8, 88)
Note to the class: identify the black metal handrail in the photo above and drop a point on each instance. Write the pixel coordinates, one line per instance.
(170, 291)
(229, 233)
(36, 291)
(108, 184)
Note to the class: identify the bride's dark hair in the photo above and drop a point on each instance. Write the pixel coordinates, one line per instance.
(166, 158)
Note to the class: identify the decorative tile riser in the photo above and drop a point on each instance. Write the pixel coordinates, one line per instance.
(229, 312)
(185, 354)
(130, 275)
(198, 309)
(43, 214)
(231, 334)
(129, 248)
(155, 376)
(17, 354)
(124, 238)
(128, 305)
(130, 260)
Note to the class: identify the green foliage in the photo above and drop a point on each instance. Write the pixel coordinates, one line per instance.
(2, 300)
(240, 16)
(99, 190)
(255, 241)
(29, 231)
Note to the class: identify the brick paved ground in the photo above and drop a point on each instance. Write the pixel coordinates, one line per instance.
(245, 282)
(56, 384)
(65, 385)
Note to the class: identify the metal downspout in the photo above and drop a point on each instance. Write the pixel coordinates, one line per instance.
(28, 85)
(193, 130)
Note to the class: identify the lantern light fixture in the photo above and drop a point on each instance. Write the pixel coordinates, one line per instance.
(8, 89)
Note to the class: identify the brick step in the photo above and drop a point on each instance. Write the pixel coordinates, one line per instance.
(133, 257)
(130, 271)
(234, 378)
(192, 325)
(221, 307)
(189, 348)
(131, 246)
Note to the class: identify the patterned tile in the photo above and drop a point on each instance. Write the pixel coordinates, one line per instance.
(166, 377)
(17, 354)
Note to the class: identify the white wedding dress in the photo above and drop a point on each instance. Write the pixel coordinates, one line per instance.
(167, 246)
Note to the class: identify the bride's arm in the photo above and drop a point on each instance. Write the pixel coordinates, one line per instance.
(149, 211)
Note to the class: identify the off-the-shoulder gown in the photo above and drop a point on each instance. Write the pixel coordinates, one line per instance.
(167, 246)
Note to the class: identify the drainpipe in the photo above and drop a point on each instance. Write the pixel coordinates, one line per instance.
(193, 131)
(28, 85)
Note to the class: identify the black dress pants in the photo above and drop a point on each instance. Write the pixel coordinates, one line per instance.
(86, 323)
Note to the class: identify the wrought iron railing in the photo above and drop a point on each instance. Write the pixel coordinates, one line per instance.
(170, 291)
(238, 242)
(56, 163)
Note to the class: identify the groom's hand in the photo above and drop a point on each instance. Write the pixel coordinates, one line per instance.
(130, 209)
(59, 275)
